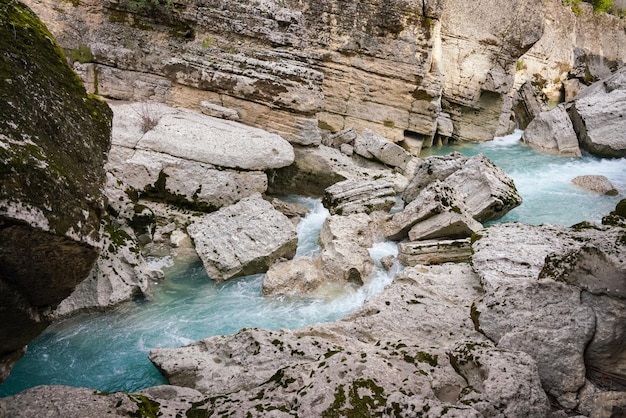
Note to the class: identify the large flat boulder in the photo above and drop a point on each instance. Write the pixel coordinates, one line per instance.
(193, 136)
(242, 239)
(411, 347)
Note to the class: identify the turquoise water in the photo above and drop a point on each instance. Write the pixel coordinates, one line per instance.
(544, 181)
(108, 352)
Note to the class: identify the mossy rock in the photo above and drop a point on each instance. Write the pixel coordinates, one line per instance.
(54, 135)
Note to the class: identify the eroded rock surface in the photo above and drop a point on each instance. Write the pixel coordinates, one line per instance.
(370, 361)
(243, 239)
(553, 132)
(555, 293)
(53, 142)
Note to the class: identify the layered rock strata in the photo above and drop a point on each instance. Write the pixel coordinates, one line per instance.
(414, 72)
(53, 141)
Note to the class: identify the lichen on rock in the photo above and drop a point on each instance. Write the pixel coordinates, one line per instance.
(53, 141)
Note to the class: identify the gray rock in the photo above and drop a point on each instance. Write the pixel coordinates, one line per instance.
(386, 364)
(371, 145)
(598, 184)
(217, 111)
(556, 294)
(346, 136)
(413, 253)
(242, 239)
(344, 240)
(449, 224)
(316, 168)
(482, 365)
(297, 276)
(553, 132)
(360, 196)
(193, 136)
(435, 199)
(486, 191)
(599, 118)
(431, 169)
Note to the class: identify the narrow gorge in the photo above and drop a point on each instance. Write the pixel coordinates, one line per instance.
(341, 208)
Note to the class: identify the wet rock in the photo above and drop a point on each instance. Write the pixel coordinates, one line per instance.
(599, 118)
(242, 239)
(297, 276)
(598, 184)
(344, 240)
(553, 132)
(427, 252)
(360, 196)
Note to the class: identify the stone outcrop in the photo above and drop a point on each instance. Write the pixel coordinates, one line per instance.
(242, 239)
(190, 159)
(354, 196)
(594, 120)
(557, 294)
(576, 48)
(53, 141)
(370, 145)
(599, 117)
(433, 360)
(553, 132)
(434, 251)
(405, 70)
(595, 183)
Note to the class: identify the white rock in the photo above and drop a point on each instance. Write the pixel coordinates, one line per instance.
(242, 239)
(598, 184)
(553, 132)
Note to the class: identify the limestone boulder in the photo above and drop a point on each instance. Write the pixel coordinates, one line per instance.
(449, 224)
(317, 168)
(553, 132)
(599, 118)
(431, 169)
(437, 198)
(439, 251)
(371, 145)
(553, 295)
(596, 183)
(242, 239)
(344, 240)
(298, 276)
(360, 195)
(181, 182)
(486, 191)
(54, 138)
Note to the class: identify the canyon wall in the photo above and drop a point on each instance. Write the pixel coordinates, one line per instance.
(412, 71)
(53, 143)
